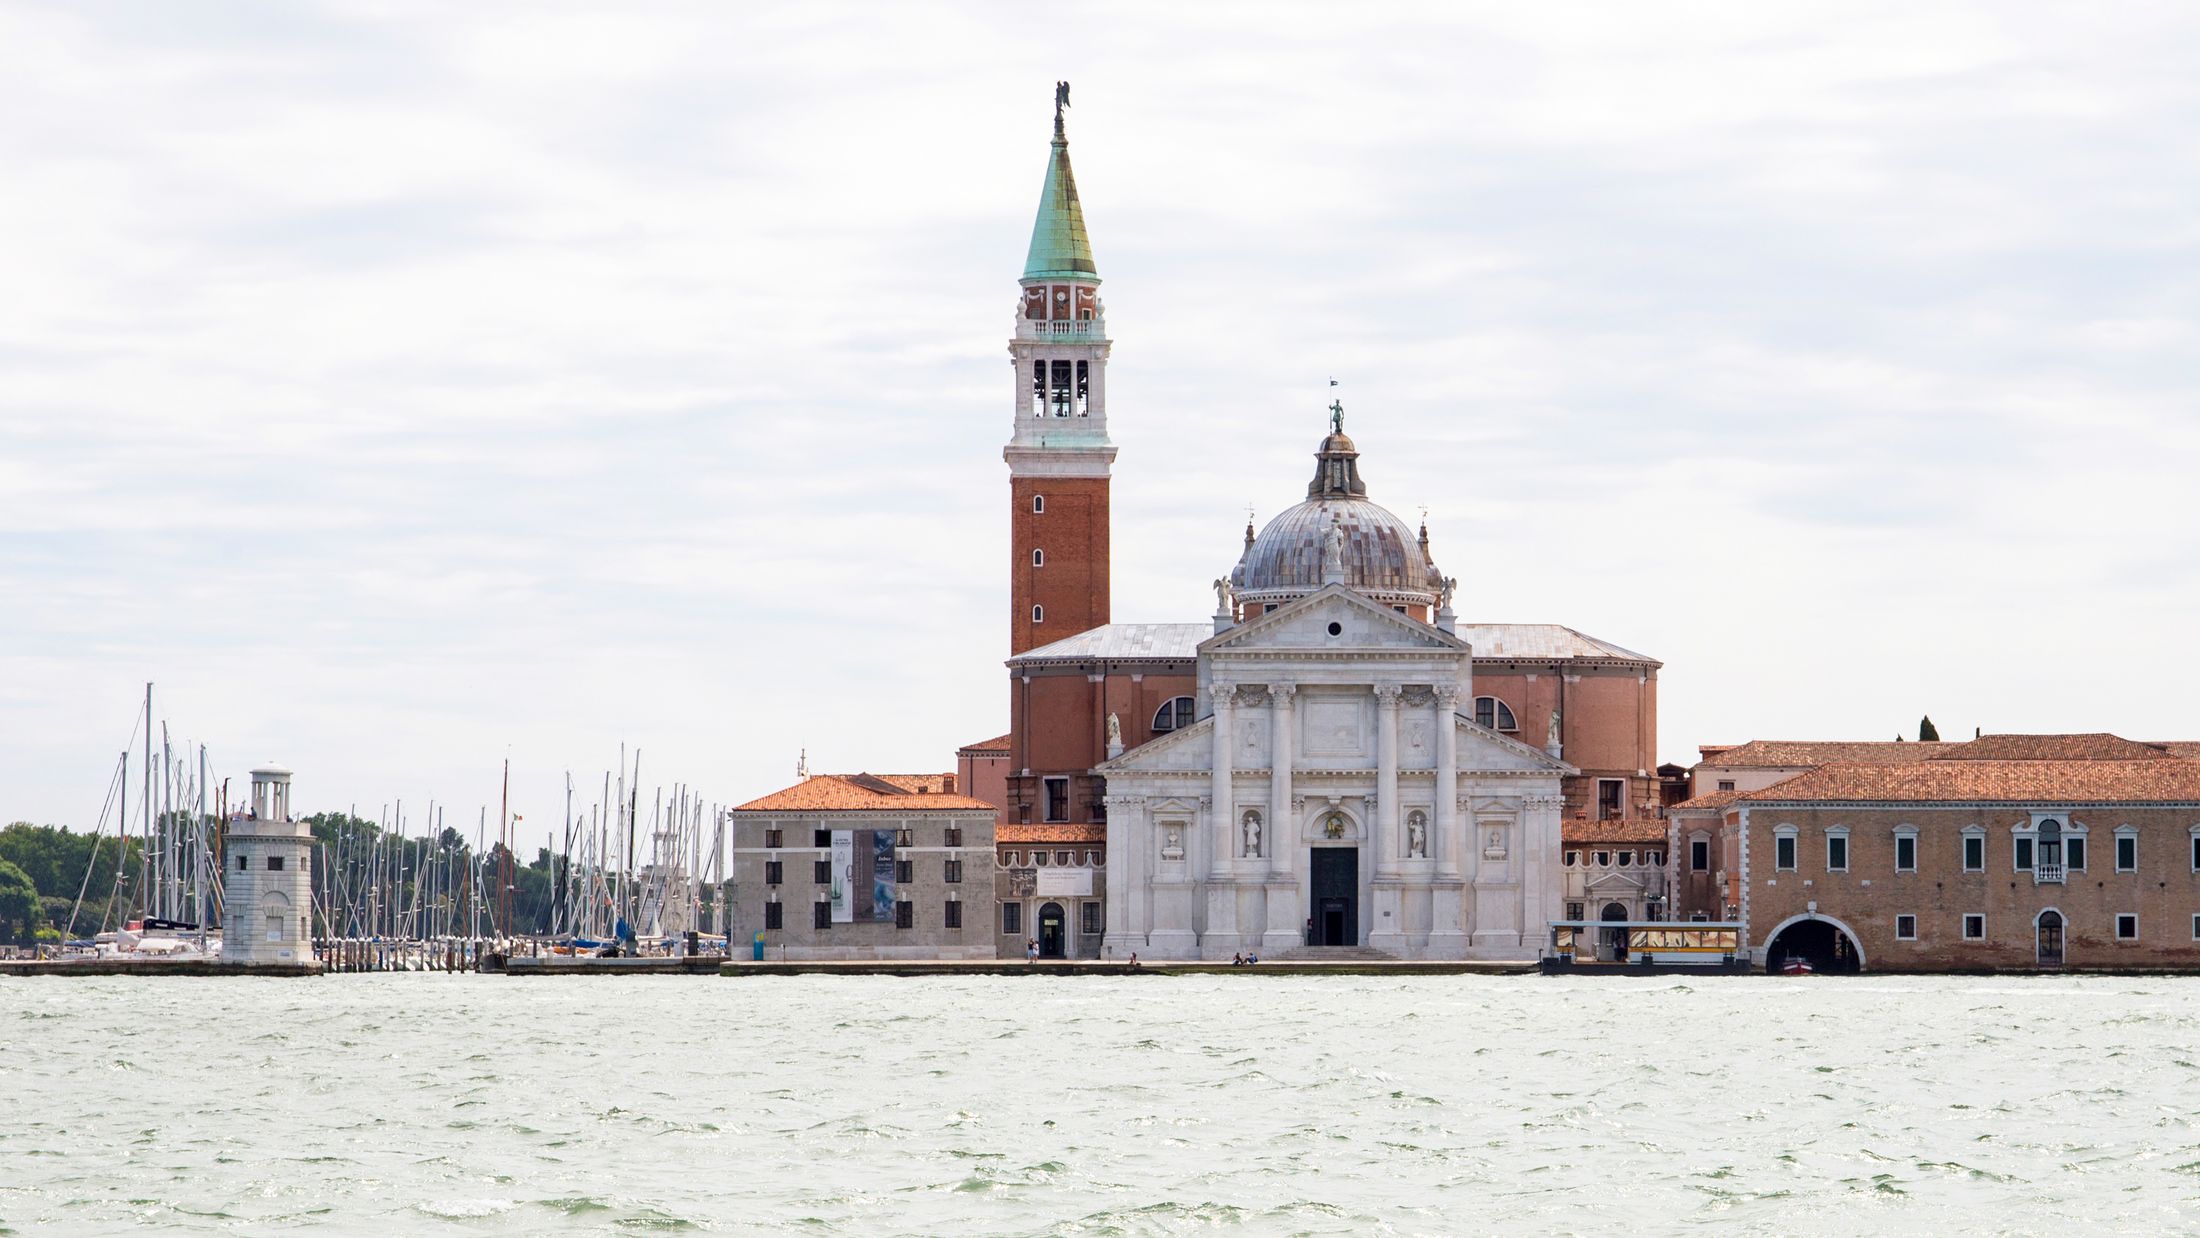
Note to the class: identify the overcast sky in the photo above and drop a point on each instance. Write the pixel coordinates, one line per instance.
(408, 387)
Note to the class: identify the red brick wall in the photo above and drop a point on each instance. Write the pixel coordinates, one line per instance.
(1072, 587)
(2164, 892)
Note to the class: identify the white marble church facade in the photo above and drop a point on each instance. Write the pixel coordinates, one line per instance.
(1332, 795)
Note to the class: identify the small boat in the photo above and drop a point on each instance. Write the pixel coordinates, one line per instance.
(1796, 965)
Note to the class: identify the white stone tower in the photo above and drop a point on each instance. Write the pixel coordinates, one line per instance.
(267, 892)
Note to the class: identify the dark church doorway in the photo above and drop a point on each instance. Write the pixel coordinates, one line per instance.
(1053, 931)
(1336, 890)
(1819, 942)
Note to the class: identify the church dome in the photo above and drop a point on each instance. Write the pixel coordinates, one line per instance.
(1380, 555)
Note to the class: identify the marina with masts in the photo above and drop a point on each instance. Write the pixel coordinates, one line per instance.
(178, 875)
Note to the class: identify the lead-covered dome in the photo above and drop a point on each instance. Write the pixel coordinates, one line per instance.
(1373, 551)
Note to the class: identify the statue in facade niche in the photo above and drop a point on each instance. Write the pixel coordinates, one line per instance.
(1252, 833)
(1551, 741)
(1115, 732)
(1417, 837)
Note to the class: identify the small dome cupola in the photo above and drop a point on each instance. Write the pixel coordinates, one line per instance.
(1337, 463)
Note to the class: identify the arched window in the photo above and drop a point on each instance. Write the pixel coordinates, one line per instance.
(1175, 714)
(1038, 504)
(1038, 557)
(1494, 714)
(1038, 614)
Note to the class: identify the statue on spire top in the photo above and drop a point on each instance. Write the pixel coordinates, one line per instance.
(1061, 100)
(1336, 416)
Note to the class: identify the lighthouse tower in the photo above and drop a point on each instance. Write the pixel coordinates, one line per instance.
(267, 892)
(1059, 456)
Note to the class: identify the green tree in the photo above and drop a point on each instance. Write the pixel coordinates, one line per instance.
(20, 917)
(1927, 733)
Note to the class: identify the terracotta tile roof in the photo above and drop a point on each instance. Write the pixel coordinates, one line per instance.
(990, 745)
(1050, 834)
(896, 793)
(2188, 748)
(1773, 753)
(2098, 746)
(1993, 781)
(1710, 801)
(1628, 831)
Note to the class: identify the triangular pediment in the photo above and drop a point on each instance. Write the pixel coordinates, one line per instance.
(1187, 748)
(1610, 878)
(1484, 749)
(1303, 626)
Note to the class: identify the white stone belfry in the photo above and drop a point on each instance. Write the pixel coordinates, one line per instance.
(267, 890)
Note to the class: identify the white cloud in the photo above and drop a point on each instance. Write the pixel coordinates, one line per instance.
(402, 385)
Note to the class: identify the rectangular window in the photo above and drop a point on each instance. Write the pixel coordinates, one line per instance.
(821, 872)
(821, 838)
(274, 863)
(2024, 853)
(821, 915)
(1783, 853)
(774, 872)
(774, 916)
(954, 873)
(905, 914)
(1905, 928)
(2127, 927)
(1572, 858)
(1057, 799)
(1699, 855)
(1974, 853)
(774, 838)
(1626, 859)
(1088, 919)
(954, 913)
(2196, 928)
(906, 838)
(1063, 858)
(1610, 793)
(1574, 910)
(2127, 853)
(1837, 853)
(1726, 784)
(954, 836)
(244, 863)
(905, 871)
(1905, 853)
(1012, 919)
(1974, 927)
(2196, 853)
(2074, 852)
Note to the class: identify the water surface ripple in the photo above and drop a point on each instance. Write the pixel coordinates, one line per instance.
(433, 1104)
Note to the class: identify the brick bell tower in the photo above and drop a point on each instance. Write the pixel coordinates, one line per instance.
(1059, 456)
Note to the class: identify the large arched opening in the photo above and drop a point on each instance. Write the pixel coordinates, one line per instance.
(1612, 942)
(1826, 944)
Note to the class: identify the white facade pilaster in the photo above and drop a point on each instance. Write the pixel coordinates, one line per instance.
(1221, 936)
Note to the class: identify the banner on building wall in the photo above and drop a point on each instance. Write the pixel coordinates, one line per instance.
(882, 875)
(1077, 881)
(843, 872)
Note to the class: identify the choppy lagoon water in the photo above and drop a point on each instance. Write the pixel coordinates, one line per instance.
(1142, 1105)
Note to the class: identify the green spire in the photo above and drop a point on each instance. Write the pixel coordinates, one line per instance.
(1059, 247)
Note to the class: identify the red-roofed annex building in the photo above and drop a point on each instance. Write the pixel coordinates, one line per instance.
(2008, 852)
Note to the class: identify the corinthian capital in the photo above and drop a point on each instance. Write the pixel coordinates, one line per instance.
(1447, 694)
(1282, 693)
(1222, 694)
(1387, 694)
